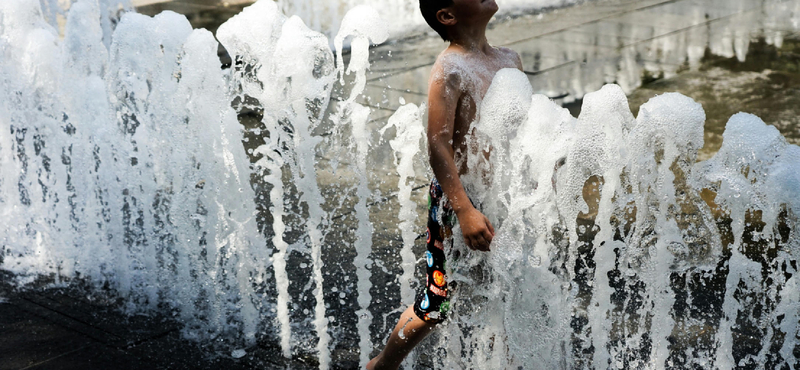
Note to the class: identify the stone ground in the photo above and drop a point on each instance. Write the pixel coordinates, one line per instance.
(728, 55)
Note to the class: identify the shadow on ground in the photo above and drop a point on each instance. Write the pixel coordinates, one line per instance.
(59, 326)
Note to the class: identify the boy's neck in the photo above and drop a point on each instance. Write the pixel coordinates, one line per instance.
(470, 38)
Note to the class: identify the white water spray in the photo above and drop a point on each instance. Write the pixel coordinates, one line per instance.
(286, 91)
(407, 122)
(125, 166)
(612, 216)
(365, 25)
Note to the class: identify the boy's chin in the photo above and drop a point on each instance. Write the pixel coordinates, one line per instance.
(491, 4)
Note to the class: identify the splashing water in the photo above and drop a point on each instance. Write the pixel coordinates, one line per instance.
(365, 25)
(109, 11)
(613, 242)
(407, 122)
(122, 165)
(92, 187)
(285, 91)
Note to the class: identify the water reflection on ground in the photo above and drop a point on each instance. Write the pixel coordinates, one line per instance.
(767, 84)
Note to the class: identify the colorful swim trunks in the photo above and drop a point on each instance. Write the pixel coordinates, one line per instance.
(433, 302)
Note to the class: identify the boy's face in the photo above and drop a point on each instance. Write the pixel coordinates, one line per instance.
(474, 10)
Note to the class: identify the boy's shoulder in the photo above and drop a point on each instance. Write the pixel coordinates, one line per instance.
(453, 66)
(449, 67)
(451, 59)
(511, 55)
(455, 61)
(506, 51)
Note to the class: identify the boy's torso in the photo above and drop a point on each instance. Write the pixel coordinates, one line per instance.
(472, 74)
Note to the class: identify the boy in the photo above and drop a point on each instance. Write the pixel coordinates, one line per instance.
(459, 80)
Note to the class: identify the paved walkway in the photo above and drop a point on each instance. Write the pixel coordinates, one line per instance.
(566, 53)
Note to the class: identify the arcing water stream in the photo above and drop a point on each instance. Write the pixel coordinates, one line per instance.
(122, 165)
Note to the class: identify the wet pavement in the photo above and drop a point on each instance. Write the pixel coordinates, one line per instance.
(729, 55)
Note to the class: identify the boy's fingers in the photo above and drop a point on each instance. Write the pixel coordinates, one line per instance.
(482, 244)
(488, 236)
(480, 241)
(491, 228)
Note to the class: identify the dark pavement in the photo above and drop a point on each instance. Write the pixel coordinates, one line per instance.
(43, 327)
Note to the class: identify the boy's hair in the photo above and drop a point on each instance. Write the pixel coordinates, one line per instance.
(429, 8)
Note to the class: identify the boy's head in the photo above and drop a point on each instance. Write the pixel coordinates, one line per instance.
(441, 15)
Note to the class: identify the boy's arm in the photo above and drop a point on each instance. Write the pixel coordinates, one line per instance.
(443, 98)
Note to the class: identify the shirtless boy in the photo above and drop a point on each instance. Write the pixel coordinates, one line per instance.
(459, 80)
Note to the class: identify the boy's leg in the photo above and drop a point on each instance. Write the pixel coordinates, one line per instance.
(432, 303)
(410, 330)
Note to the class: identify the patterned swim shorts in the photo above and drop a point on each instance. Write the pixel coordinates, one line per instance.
(433, 301)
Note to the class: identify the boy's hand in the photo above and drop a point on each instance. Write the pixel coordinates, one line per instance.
(478, 231)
